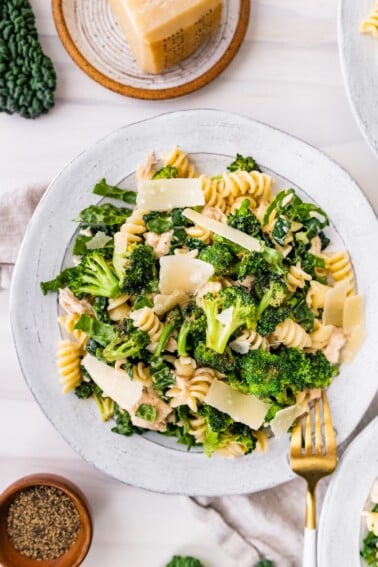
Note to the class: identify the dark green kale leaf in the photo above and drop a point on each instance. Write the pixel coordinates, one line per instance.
(106, 190)
(61, 280)
(180, 561)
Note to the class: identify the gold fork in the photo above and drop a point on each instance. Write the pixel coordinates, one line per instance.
(313, 455)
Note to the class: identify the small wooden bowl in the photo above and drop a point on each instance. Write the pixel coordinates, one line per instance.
(9, 557)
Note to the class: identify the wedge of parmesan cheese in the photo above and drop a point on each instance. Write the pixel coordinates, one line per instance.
(334, 304)
(285, 417)
(167, 194)
(371, 519)
(353, 326)
(236, 236)
(183, 273)
(243, 408)
(161, 33)
(115, 384)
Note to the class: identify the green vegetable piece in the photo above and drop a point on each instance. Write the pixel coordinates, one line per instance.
(123, 424)
(162, 375)
(105, 217)
(141, 273)
(127, 342)
(242, 163)
(224, 362)
(27, 75)
(220, 256)
(369, 547)
(94, 276)
(80, 248)
(180, 561)
(166, 172)
(61, 280)
(193, 327)
(111, 191)
(102, 333)
(172, 321)
(147, 412)
(243, 219)
(265, 563)
(157, 222)
(142, 301)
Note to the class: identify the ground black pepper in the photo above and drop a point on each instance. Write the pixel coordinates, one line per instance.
(42, 522)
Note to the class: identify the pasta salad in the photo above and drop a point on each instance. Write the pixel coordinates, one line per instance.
(369, 551)
(204, 308)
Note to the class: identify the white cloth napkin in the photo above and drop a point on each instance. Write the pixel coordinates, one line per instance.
(265, 525)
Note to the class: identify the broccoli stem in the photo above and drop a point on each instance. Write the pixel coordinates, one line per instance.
(164, 337)
(182, 339)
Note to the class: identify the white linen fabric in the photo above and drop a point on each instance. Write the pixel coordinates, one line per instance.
(264, 525)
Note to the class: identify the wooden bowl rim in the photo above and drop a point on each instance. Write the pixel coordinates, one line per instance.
(151, 94)
(73, 492)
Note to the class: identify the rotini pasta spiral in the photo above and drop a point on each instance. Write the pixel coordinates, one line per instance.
(249, 340)
(133, 228)
(316, 295)
(118, 308)
(340, 269)
(68, 322)
(232, 450)
(178, 159)
(370, 25)
(291, 334)
(142, 373)
(253, 183)
(146, 320)
(191, 389)
(197, 428)
(296, 277)
(68, 358)
(320, 335)
(212, 190)
(199, 232)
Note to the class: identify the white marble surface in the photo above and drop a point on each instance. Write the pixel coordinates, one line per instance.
(287, 74)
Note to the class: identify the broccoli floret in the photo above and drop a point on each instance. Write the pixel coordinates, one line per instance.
(172, 321)
(220, 256)
(322, 371)
(272, 317)
(205, 356)
(28, 79)
(140, 274)
(215, 419)
(127, 342)
(242, 312)
(243, 219)
(105, 406)
(273, 295)
(180, 561)
(166, 172)
(95, 276)
(233, 433)
(260, 370)
(194, 325)
(195, 244)
(242, 163)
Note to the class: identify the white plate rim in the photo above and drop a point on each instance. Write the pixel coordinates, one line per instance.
(331, 545)
(280, 471)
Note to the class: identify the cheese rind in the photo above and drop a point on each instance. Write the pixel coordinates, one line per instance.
(162, 33)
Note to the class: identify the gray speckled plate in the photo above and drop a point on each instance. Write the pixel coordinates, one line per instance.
(212, 138)
(359, 59)
(341, 530)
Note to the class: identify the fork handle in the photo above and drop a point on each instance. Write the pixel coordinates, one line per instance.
(309, 548)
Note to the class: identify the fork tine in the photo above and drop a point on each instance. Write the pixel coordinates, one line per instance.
(329, 432)
(318, 427)
(308, 434)
(296, 439)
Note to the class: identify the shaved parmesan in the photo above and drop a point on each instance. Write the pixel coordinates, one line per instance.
(371, 519)
(183, 273)
(353, 326)
(166, 194)
(225, 317)
(284, 418)
(374, 493)
(120, 242)
(236, 236)
(334, 304)
(99, 240)
(243, 408)
(115, 384)
(240, 345)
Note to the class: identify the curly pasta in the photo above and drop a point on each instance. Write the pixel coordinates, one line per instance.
(178, 159)
(249, 340)
(199, 232)
(142, 373)
(212, 190)
(296, 277)
(321, 335)
(232, 450)
(68, 359)
(253, 183)
(291, 334)
(68, 322)
(192, 384)
(340, 269)
(197, 428)
(146, 320)
(133, 228)
(315, 297)
(118, 308)
(370, 25)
